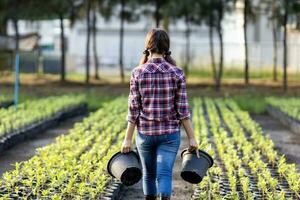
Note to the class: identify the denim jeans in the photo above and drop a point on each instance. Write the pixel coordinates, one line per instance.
(157, 154)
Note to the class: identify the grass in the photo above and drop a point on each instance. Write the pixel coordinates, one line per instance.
(237, 73)
(255, 104)
(95, 97)
(250, 98)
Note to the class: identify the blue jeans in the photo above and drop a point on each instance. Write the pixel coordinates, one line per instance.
(157, 154)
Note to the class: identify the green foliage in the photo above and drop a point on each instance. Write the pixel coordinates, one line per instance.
(4, 98)
(289, 106)
(74, 167)
(37, 10)
(243, 155)
(252, 103)
(27, 113)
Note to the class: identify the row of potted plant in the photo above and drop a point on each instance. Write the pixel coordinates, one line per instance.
(74, 166)
(247, 175)
(289, 106)
(266, 147)
(25, 114)
(250, 156)
(207, 187)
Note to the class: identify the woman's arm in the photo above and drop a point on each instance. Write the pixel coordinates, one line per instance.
(126, 145)
(133, 113)
(182, 106)
(193, 145)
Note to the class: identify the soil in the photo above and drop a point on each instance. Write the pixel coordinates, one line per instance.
(26, 149)
(286, 142)
(181, 189)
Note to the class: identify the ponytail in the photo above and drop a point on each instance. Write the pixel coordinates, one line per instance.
(144, 59)
(168, 58)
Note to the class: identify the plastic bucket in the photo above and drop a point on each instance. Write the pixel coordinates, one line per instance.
(125, 167)
(194, 168)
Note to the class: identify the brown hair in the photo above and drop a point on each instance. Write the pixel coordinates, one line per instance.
(157, 41)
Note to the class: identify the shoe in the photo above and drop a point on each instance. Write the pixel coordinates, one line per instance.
(164, 197)
(150, 197)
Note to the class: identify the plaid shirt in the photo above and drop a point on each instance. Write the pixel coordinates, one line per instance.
(157, 100)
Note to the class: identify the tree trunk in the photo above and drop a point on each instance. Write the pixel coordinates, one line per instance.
(3, 27)
(62, 48)
(17, 35)
(121, 41)
(166, 23)
(187, 48)
(17, 62)
(285, 53)
(219, 77)
(157, 14)
(220, 34)
(246, 4)
(274, 29)
(96, 61)
(212, 53)
(87, 56)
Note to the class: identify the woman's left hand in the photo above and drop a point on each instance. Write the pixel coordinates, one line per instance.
(126, 146)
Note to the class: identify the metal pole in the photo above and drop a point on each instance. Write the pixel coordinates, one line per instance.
(17, 79)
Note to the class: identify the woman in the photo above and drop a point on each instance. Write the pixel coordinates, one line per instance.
(158, 105)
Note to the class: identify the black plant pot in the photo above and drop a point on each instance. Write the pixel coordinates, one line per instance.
(194, 168)
(125, 167)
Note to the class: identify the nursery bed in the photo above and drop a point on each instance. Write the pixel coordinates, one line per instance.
(6, 104)
(226, 180)
(29, 131)
(28, 148)
(285, 119)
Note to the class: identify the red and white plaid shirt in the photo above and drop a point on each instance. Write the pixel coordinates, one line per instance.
(157, 100)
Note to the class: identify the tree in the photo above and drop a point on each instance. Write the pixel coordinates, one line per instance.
(3, 26)
(54, 9)
(185, 10)
(220, 7)
(88, 32)
(211, 12)
(94, 30)
(88, 10)
(220, 13)
(273, 7)
(285, 53)
(215, 14)
(246, 8)
(97, 6)
(249, 15)
(127, 11)
(206, 13)
(158, 13)
(14, 10)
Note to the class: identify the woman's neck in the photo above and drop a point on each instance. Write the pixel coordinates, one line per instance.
(156, 55)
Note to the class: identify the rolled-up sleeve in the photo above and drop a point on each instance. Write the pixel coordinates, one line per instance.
(181, 100)
(133, 100)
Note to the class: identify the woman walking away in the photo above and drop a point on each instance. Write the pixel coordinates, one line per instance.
(158, 105)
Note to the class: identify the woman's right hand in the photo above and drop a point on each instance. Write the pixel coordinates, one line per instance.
(126, 146)
(193, 146)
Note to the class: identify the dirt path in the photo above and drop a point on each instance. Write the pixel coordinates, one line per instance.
(181, 189)
(26, 149)
(286, 142)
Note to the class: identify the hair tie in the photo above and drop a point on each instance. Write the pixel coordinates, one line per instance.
(168, 53)
(146, 52)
